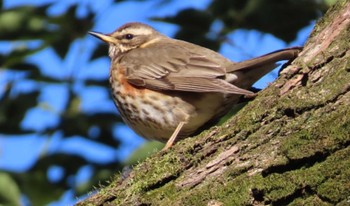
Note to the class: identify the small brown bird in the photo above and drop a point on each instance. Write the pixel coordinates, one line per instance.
(167, 89)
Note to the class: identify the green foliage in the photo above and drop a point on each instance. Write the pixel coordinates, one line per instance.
(9, 191)
(22, 25)
(282, 18)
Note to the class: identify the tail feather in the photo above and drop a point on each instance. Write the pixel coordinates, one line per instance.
(249, 71)
(267, 59)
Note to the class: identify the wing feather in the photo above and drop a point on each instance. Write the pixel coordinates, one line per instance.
(179, 70)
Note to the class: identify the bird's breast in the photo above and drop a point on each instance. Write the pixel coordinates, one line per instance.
(152, 114)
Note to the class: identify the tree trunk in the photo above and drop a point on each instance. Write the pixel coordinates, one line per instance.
(288, 146)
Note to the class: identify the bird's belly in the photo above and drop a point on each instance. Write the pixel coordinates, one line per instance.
(156, 114)
(151, 114)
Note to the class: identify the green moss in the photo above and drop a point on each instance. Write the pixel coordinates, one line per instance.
(166, 195)
(336, 187)
(312, 139)
(228, 191)
(231, 188)
(155, 170)
(236, 190)
(312, 200)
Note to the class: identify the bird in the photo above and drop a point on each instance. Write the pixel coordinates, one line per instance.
(167, 89)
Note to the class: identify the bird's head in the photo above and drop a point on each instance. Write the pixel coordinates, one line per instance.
(128, 37)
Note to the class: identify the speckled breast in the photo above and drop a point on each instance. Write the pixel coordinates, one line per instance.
(151, 114)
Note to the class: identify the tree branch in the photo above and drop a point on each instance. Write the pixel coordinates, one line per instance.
(289, 145)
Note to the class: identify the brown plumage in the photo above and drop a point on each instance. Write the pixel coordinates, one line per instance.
(166, 88)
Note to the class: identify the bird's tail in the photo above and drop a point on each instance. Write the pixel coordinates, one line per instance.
(253, 69)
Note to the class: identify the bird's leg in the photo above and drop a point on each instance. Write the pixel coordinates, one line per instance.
(172, 139)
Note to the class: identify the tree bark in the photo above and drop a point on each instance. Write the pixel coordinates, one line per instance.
(288, 146)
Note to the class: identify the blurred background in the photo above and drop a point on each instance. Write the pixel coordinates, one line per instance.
(61, 136)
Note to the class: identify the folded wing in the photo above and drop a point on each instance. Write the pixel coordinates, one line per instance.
(176, 69)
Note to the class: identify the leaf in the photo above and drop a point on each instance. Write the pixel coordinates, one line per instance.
(195, 25)
(61, 43)
(24, 22)
(100, 51)
(69, 28)
(281, 13)
(23, 66)
(93, 82)
(83, 122)
(41, 78)
(13, 110)
(193, 19)
(9, 191)
(16, 56)
(36, 177)
(282, 18)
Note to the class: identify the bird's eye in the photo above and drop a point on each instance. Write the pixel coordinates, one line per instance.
(128, 36)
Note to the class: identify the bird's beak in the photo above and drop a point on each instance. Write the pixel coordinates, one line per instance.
(104, 37)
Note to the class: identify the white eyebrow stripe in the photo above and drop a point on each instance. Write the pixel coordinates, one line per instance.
(137, 31)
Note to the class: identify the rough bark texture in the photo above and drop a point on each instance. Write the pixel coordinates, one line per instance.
(288, 146)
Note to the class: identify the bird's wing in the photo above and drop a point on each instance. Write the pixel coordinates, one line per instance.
(165, 67)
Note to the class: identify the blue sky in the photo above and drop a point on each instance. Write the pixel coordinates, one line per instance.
(19, 153)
